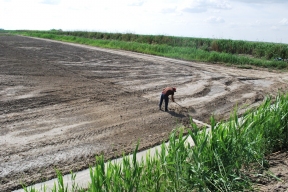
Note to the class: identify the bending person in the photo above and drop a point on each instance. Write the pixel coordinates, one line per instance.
(165, 96)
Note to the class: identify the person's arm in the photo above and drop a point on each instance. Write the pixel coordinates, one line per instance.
(172, 97)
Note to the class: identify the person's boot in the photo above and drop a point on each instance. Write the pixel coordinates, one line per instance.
(166, 109)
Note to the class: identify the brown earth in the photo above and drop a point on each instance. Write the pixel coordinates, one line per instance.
(61, 104)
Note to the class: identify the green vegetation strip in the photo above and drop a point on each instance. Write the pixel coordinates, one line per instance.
(223, 159)
(241, 53)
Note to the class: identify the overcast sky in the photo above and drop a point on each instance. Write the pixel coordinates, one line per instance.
(254, 20)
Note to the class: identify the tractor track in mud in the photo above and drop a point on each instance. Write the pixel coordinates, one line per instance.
(61, 103)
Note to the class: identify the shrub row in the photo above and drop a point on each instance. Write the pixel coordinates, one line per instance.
(256, 49)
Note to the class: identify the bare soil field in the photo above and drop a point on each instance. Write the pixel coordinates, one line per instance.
(61, 104)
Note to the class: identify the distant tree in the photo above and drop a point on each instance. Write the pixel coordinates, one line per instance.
(1, 29)
(56, 30)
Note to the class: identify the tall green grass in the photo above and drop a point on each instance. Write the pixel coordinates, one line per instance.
(257, 49)
(191, 49)
(221, 160)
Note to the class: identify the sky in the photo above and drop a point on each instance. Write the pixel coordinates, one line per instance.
(252, 20)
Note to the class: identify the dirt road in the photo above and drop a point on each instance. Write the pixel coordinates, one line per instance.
(62, 104)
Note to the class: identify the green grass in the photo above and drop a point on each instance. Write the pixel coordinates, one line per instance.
(190, 49)
(221, 160)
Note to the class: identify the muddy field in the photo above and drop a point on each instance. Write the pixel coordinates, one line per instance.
(62, 104)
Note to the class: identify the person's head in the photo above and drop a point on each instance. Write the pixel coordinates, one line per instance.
(174, 89)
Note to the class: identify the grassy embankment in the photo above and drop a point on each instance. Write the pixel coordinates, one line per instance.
(223, 159)
(240, 53)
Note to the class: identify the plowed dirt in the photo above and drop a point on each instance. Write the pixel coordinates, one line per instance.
(61, 104)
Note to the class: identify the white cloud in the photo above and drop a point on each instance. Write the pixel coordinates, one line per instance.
(256, 23)
(215, 20)
(198, 6)
(233, 25)
(261, 1)
(221, 5)
(135, 3)
(51, 2)
(169, 10)
(194, 7)
(284, 21)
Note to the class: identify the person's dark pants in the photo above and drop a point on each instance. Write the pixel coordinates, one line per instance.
(166, 98)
